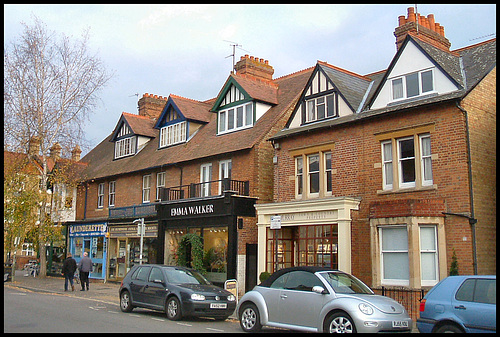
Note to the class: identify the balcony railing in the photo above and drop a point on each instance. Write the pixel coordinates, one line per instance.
(199, 190)
(206, 189)
(133, 211)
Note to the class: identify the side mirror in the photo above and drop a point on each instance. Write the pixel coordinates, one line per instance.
(319, 290)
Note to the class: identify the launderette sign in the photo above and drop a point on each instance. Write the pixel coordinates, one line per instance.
(93, 229)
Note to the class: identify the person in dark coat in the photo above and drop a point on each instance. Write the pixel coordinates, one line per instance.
(85, 267)
(68, 270)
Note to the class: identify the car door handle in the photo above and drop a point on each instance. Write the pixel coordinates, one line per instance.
(283, 296)
(461, 307)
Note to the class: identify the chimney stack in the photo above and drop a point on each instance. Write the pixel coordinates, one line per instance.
(55, 151)
(427, 30)
(254, 66)
(75, 154)
(34, 146)
(151, 105)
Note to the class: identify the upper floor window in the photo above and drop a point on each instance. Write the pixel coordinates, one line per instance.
(125, 147)
(412, 85)
(112, 187)
(315, 177)
(410, 165)
(320, 108)
(235, 118)
(100, 195)
(160, 182)
(146, 188)
(225, 168)
(173, 134)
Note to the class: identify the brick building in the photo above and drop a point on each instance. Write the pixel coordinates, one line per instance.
(386, 175)
(187, 167)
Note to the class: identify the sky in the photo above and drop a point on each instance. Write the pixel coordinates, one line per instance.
(186, 49)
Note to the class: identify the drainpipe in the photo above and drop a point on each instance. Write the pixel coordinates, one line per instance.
(472, 219)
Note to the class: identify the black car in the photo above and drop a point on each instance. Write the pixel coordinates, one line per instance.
(177, 291)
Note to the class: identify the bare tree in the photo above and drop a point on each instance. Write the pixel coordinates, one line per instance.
(51, 86)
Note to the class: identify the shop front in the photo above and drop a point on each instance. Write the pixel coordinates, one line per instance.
(215, 221)
(90, 238)
(125, 245)
(305, 233)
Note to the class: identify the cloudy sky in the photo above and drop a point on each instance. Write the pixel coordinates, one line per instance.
(184, 49)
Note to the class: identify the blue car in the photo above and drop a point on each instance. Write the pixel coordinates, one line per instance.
(460, 304)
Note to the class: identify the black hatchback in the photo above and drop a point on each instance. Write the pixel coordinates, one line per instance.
(177, 291)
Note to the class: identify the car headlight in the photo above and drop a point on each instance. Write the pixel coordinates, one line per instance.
(197, 297)
(231, 298)
(365, 309)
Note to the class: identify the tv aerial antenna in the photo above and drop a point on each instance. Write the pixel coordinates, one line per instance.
(234, 45)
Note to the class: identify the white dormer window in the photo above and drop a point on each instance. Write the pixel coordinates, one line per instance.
(125, 147)
(173, 134)
(320, 108)
(412, 85)
(235, 118)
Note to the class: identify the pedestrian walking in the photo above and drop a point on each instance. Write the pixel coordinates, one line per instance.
(85, 267)
(68, 270)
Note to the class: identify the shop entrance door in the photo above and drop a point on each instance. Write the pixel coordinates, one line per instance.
(121, 259)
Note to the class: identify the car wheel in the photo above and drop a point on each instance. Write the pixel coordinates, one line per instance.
(449, 328)
(125, 302)
(173, 309)
(340, 322)
(250, 318)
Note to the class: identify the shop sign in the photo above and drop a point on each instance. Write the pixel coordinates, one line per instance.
(275, 221)
(95, 229)
(151, 230)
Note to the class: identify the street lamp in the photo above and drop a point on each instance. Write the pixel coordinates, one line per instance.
(140, 231)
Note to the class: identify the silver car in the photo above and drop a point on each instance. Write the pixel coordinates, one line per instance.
(319, 299)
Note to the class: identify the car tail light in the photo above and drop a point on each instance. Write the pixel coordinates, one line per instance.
(422, 305)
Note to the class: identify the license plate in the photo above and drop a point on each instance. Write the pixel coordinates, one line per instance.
(399, 324)
(218, 305)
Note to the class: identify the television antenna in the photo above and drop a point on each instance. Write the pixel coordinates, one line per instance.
(234, 45)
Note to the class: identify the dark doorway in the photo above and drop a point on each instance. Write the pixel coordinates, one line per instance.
(251, 267)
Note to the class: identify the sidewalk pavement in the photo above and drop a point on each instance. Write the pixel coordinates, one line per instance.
(98, 290)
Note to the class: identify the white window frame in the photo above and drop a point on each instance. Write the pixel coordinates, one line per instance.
(205, 178)
(425, 158)
(100, 195)
(387, 165)
(173, 134)
(299, 177)
(328, 171)
(429, 251)
(112, 193)
(27, 249)
(313, 104)
(227, 123)
(392, 163)
(125, 147)
(309, 175)
(160, 182)
(404, 87)
(146, 188)
(389, 281)
(225, 171)
(401, 162)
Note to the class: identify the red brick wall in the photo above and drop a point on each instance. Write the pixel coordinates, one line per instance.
(355, 153)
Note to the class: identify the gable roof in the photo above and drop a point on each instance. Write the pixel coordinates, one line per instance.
(206, 142)
(189, 108)
(139, 125)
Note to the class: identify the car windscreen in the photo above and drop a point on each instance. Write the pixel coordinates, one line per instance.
(180, 276)
(346, 284)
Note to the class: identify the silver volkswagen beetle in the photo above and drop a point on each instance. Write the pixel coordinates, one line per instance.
(320, 300)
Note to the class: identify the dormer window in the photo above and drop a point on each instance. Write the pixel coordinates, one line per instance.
(235, 118)
(412, 85)
(125, 147)
(320, 108)
(173, 134)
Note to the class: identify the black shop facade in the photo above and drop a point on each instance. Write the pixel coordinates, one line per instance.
(215, 220)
